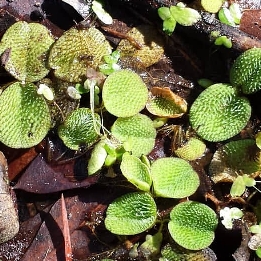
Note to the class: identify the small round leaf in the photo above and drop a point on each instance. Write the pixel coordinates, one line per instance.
(80, 128)
(191, 150)
(246, 71)
(164, 103)
(25, 47)
(170, 178)
(137, 134)
(219, 113)
(24, 116)
(131, 214)
(136, 172)
(124, 93)
(76, 50)
(192, 225)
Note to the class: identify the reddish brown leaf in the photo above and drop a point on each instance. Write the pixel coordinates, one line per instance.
(40, 177)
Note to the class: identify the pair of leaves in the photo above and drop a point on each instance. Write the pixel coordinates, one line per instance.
(169, 176)
(191, 224)
(177, 14)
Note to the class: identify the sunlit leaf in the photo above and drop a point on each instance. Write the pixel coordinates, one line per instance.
(132, 93)
(136, 172)
(164, 103)
(170, 178)
(192, 225)
(25, 48)
(24, 116)
(131, 214)
(219, 113)
(137, 134)
(76, 50)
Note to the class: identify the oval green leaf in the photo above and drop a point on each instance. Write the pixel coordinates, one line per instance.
(131, 214)
(137, 134)
(80, 128)
(75, 51)
(136, 172)
(124, 93)
(219, 113)
(24, 48)
(24, 116)
(192, 225)
(170, 178)
(98, 157)
(191, 150)
(246, 71)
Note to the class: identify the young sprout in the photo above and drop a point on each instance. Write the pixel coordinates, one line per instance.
(46, 91)
(228, 215)
(73, 93)
(177, 14)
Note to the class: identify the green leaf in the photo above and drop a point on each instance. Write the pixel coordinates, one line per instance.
(164, 13)
(170, 178)
(258, 140)
(219, 113)
(238, 187)
(137, 134)
(258, 252)
(174, 252)
(80, 128)
(249, 181)
(24, 116)
(131, 214)
(136, 172)
(169, 26)
(76, 50)
(235, 11)
(246, 71)
(132, 93)
(191, 150)
(225, 16)
(24, 48)
(192, 225)
(184, 15)
(98, 157)
(212, 6)
(255, 229)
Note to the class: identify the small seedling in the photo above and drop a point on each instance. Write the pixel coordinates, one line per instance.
(228, 215)
(177, 14)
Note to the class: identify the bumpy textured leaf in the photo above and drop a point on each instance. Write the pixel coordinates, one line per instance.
(164, 103)
(175, 252)
(24, 48)
(170, 178)
(192, 150)
(241, 156)
(136, 172)
(192, 225)
(80, 128)
(124, 93)
(151, 44)
(24, 116)
(212, 6)
(219, 113)
(131, 214)
(137, 134)
(246, 71)
(76, 50)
